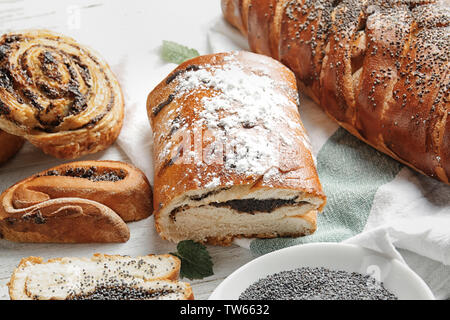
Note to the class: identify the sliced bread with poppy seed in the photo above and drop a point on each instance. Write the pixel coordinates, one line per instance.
(102, 277)
(379, 68)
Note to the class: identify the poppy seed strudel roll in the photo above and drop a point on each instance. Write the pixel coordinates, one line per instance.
(231, 156)
(10, 145)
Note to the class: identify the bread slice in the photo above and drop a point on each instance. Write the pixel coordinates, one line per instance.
(102, 277)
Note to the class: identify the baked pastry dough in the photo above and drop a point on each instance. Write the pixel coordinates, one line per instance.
(9, 146)
(380, 68)
(232, 158)
(57, 94)
(86, 201)
(102, 277)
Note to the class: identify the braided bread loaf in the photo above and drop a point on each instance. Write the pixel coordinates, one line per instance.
(380, 68)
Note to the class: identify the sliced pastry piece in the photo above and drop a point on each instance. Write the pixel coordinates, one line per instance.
(232, 158)
(86, 201)
(102, 277)
(58, 94)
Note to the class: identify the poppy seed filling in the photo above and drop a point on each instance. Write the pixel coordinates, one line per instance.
(250, 206)
(92, 174)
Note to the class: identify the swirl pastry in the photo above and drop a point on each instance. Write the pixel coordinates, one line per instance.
(232, 158)
(9, 146)
(102, 277)
(87, 201)
(379, 68)
(57, 94)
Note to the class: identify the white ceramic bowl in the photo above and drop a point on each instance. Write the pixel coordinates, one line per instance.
(396, 276)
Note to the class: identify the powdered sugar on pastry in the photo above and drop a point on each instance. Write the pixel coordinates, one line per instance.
(241, 99)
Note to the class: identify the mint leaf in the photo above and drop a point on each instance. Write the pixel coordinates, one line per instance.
(177, 53)
(196, 262)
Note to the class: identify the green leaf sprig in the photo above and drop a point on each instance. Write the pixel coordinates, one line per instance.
(196, 263)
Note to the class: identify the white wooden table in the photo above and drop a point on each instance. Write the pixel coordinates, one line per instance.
(128, 34)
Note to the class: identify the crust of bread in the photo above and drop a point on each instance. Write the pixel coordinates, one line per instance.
(233, 8)
(10, 145)
(53, 206)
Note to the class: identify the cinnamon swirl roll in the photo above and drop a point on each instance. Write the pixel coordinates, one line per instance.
(9, 146)
(59, 95)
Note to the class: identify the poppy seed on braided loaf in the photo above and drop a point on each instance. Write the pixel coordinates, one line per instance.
(380, 68)
(58, 94)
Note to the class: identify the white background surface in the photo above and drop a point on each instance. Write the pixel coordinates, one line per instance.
(128, 34)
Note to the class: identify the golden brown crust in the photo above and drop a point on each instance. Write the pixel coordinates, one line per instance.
(263, 25)
(380, 68)
(10, 145)
(260, 17)
(295, 43)
(86, 201)
(173, 275)
(59, 95)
